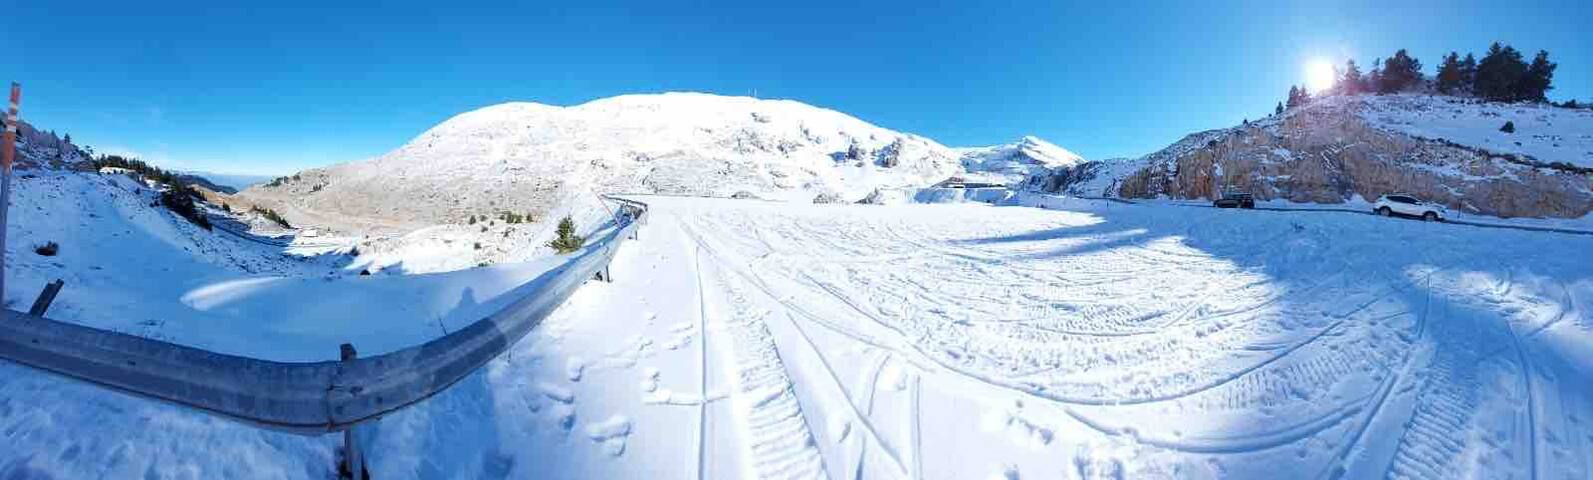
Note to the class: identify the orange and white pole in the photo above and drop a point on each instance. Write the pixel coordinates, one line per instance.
(8, 154)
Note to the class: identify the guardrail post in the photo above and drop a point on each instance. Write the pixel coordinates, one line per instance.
(46, 297)
(354, 461)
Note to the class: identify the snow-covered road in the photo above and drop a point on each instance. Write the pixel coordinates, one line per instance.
(756, 339)
(1155, 341)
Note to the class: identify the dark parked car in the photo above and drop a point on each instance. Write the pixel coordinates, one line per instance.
(1232, 199)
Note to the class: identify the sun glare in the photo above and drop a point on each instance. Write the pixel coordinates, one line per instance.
(1319, 76)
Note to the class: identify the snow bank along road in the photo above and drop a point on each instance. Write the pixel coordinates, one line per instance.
(757, 339)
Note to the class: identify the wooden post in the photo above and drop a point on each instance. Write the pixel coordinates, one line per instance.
(8, 154)
(352, 458)
(46, 297)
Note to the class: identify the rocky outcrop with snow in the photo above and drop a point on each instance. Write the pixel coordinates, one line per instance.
(45, 149)
(1444, 149)
(528, 157)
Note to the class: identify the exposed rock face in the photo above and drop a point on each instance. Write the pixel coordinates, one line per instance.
(44, 149)
(1329, 153)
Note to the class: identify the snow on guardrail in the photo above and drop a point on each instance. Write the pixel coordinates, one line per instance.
(304, 398)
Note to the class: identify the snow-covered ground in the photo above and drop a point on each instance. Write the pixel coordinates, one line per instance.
(138, 269)
(760, 339)
(1548, 134)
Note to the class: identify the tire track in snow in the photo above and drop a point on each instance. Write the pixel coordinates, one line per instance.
(1095, 401)
(1434, 435)
(870, 388)
(779, 441)
(834, 383)
(702, 383)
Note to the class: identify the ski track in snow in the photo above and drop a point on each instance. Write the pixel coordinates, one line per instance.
(945, 341)
(1126, 338)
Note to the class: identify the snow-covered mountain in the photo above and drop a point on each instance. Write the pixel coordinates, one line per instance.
(1348, 148)
(528, 157)
(1016, 161)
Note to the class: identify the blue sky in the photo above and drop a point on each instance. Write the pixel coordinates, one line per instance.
(197, 85)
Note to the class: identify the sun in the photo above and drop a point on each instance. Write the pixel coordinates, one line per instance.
(1320, 76)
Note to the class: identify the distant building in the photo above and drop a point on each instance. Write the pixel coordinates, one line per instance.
(959, 182)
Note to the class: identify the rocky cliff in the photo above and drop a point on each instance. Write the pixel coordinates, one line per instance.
(1342, 149)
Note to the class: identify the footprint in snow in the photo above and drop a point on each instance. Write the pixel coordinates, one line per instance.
(575, 368)
(556, 393)
(650, 379)
(610, 434)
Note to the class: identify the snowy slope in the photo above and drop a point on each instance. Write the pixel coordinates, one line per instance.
(139, 269)
(1545, 133)
(1015, 162)
(528, 157)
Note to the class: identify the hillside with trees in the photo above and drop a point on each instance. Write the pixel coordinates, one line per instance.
(1502, 75)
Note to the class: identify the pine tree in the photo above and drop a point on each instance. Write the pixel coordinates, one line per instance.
(1540, 77)
(1294, 96)
(1400, 72)
(567, 241)
(1450, 75)
(1350, 82)
(1500, 74)
(1374, 78)
(1468, 71)
(1279, 110)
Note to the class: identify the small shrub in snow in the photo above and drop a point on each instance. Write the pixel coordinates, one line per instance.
(49, 249)
(1509, 127)
(512, 218)
(567, 240)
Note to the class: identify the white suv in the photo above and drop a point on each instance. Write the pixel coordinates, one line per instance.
(1402, 204)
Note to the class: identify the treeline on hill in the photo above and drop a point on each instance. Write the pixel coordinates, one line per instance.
(271, 215)
(1503, 75)
(178, 197)
(279, 181)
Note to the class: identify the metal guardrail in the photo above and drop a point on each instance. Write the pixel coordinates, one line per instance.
(304, 398)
